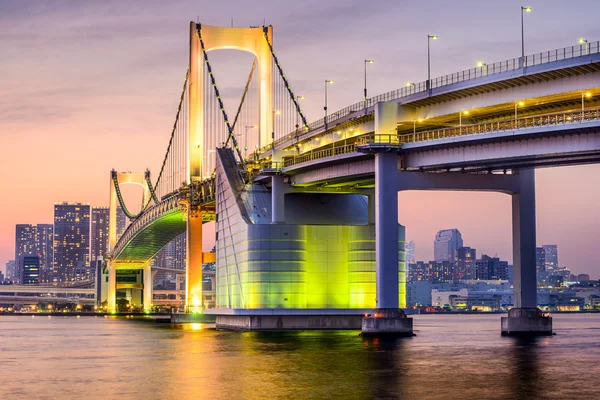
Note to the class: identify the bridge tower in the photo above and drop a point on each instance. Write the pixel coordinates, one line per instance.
(118, 178)
(205, 38)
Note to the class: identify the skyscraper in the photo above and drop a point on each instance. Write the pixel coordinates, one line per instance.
(34, 240)
(445, 245)
(71, 241)
(10, 269)
(30, 273)
(491, 268)
(551, 257)
(540, 259)
(465, 263)
(99, 240)
(410, 252)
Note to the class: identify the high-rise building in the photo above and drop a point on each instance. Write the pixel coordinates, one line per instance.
(121, 222)
(550, 257)
(491, 268)
(30, 272)
(99, 239)
(464, 268)
(34, 240)
(410, 252)
(11, 269)
(446, 243)
(540, 259)
(71, 241)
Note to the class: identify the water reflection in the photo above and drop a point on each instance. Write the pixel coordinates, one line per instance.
(525, 378)
(388, 359)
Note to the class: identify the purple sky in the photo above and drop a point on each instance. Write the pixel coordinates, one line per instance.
(89, 86)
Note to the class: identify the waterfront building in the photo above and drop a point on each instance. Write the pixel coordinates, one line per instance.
(446, 243)
(550, 257)
(11, 270)
(30, 271)
(71, 241)
(34, 240)
(583, 278)
(1, 277)
(410, 252)
(418, 271)
(491, 268)
(540, 259)
(465, 263)
(99, 233)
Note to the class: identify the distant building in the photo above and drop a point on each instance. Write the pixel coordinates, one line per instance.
(11, 270)
(1, 277)
(491, 268)
(583, 278)
(121, 222)
(410, 252)
(540, 259)
(99, 233)
(34, 240)
(418, 271)
(446, 243)
(550, 257)
(30, 272)
(465, 263)
(71, 241)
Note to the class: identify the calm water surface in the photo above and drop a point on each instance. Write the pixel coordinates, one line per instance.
(453, 357)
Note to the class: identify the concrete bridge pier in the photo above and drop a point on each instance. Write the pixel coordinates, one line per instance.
(148, 286)
(112, 288)
(525, 319)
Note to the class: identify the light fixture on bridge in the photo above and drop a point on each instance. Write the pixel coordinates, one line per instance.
(327, 81)
(367, 62)
(429, 39)
(583, 96)
(583, 41)
(521, 103)
(524, 9)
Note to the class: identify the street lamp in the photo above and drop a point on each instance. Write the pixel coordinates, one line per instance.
(523, 11)
(483, 67)
(460, 114)
(367, 62)
(275, 112)
(411, 87)
(518, 104)
(429, 39)
(246, 138)
(327, 81)
(298, 98)
(583, 96)
(583, 41)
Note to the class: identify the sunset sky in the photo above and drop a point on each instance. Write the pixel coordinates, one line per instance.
(87, 86)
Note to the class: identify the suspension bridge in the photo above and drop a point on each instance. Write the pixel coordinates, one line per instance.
(307, 231)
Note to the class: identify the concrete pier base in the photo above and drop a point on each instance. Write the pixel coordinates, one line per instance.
(387, 322)
(185, 318)
(526, 322)
(287, 322)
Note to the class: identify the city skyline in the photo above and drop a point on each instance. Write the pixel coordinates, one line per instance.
(111, 78)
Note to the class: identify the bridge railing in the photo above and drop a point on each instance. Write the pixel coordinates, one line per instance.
(562, 118)
(456, 77)
(590, 114)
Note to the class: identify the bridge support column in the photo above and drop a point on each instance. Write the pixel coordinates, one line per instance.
(193, 276)
(278, 190)
(148, 286)
(112, 288)
(525, 318)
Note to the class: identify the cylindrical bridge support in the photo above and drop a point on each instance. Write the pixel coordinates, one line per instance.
(386, 229)
(524, 241)
(193, 278)
(277, 199)
(148, 286)
(112, 288)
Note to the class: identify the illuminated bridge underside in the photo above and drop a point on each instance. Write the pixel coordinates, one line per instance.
(151, 238)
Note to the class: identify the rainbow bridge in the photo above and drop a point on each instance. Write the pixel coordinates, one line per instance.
(307, 225)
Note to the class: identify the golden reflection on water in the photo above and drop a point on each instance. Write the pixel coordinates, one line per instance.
(452, 357)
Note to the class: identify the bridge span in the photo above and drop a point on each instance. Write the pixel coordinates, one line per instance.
(307, 224)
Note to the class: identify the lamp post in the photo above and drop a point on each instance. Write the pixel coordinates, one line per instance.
(483, 67)
(327, 81)
(298, 98)
(429, 38)
(583, 96)
(460, 114)
(275, 112)
(523, 11)
(246, 138)
(411, 87)
(583, 41)
(517, 104)
(366, 62)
